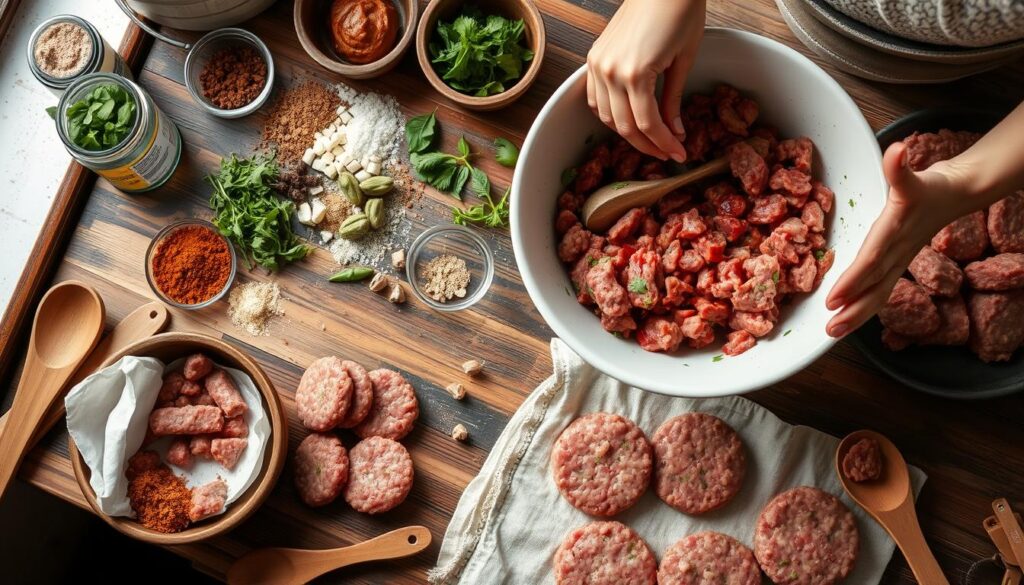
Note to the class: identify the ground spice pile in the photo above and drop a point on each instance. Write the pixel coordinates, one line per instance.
(298, 114)
(445, 277)
(160, 499)
(63, 50)
(253, 305)
(191, 264)
(233, 77)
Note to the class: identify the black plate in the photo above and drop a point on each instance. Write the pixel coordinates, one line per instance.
(951, 372)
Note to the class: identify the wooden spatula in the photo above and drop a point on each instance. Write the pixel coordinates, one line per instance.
(606, 205)
(292, 566)
(68, 323)
(147, 320)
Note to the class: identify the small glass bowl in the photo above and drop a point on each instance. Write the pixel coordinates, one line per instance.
(155, 243)
(462, 243)
(209, 44)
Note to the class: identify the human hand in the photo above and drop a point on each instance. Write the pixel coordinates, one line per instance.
(918, 206)
(642, 40)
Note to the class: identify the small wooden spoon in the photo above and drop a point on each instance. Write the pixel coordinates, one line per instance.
(68, 323)
(288, 566)
(147, 320)
(606, 205)
(890, 500)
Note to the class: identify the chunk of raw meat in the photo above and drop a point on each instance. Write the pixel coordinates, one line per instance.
(910, 311)
(954, 327)
(749, 167)
(659, 334)
(997, 324)
(938, 274)
(1006, 224)
(997, 273)
(965, 239)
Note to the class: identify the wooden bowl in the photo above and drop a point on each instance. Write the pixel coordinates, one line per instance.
(312, 22)
(536, 40)
(168, 347)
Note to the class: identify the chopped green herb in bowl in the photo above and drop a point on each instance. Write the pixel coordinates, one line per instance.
(479, 55)
(102, 119)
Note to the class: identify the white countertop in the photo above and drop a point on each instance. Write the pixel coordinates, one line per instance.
(32, 158)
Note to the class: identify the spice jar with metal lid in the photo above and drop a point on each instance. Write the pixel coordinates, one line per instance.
(110, 125)
(65, 48)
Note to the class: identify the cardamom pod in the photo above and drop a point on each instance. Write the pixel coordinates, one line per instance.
(374, 210)
(377, 186)
(349, 187)
(352, 274)
(354, 227)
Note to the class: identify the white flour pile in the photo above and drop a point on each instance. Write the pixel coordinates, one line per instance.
(377, 126)
(253, 305)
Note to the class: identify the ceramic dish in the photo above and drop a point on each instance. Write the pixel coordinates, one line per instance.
(535, 39)
(312, 21)
(858, 59)
(902, 47)
(168, 347)
(205, 48)
(797, 97)
(951, 372)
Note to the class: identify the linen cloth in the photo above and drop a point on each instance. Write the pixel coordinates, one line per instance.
(511, 517)
(964, 23)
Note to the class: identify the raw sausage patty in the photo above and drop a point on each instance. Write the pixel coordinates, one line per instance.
(604, 553)
(394, 407)
(909, 310)
(321, 469)
(324, 394)
(997, 324)
(708, 558)
(806, 537)
(602, 463)
(362, 395)
(699, 462)
(380, 477)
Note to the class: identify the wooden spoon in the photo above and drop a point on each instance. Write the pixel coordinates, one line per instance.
(890, 500)
(68, 323)
(606, 205)
(147, 320)
(287, 566)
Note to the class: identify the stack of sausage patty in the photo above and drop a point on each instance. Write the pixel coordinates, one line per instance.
(378, 406)
(968, 284)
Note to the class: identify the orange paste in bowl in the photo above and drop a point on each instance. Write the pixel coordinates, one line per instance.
(363, 30)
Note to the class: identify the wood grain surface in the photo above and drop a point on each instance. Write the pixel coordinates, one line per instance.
(972, 452)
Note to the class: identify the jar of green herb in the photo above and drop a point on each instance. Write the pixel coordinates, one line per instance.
(110, 125)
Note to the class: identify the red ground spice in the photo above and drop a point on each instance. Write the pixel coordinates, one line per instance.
(192, 264)
(160, 499)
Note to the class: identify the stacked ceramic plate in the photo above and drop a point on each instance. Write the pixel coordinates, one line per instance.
(873, 54)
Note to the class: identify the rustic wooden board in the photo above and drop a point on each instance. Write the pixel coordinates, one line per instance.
(972, 452)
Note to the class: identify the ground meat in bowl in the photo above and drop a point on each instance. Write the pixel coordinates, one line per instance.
(718, 257)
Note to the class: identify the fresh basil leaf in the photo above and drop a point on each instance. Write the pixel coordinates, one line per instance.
(505, 153)
(461, 176)
(463, 147)
(420, 132)
(480, 184)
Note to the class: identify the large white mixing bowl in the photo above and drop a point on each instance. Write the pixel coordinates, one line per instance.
(796, 96)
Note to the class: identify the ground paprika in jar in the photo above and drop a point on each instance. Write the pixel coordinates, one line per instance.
(191, 265)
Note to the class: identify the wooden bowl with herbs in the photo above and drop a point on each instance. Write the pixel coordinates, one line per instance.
(168, 347)
(512, 57)
(359, 39)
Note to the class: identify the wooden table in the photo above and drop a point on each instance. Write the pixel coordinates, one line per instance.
(972, 452)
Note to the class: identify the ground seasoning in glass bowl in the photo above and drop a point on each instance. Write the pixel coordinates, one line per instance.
(233, 77)
(190, 264)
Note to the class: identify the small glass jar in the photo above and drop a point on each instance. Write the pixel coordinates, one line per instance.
(147, 156)
(102, 58)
